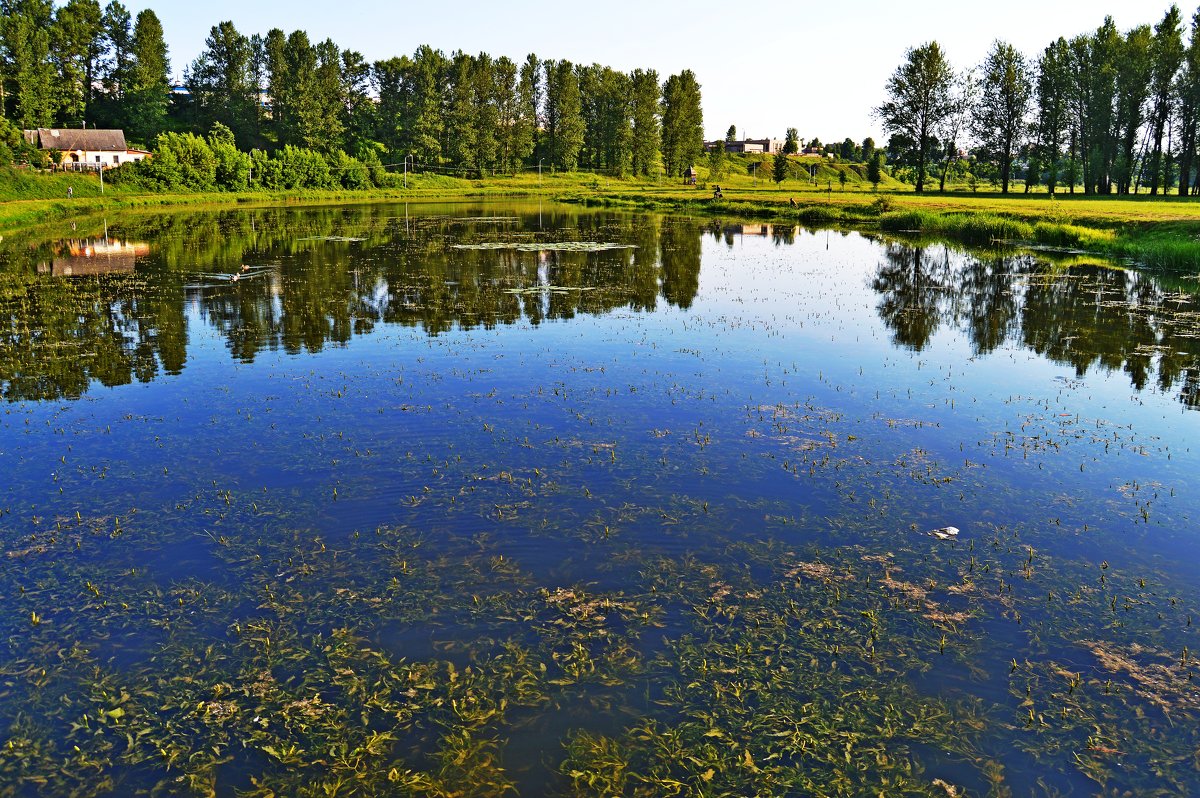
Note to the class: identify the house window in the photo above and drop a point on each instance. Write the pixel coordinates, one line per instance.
(97, 159)
(116, 159)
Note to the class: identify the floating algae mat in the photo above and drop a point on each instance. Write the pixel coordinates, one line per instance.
(718, 509)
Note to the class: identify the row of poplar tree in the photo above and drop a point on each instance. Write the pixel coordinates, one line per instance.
(1113, 112)
(82, 63)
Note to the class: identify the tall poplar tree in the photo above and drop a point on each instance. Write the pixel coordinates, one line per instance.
(646, 113)
(1051, 98)
(118, 32)
(29, 72)
(682, 123)
(1166, 56)
(918, 99)
(563, 115)
(1188, 98)
(531, 92)
(77, 44)
(1130, 89)
(999, 117)
(220, 83)
(147, 86)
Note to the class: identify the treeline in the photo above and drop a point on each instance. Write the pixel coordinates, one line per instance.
(1111, 112)
(467, 114)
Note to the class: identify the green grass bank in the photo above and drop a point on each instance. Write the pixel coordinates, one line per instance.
(1156, 232)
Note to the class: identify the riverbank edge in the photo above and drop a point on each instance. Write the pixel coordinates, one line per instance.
(1172, 245)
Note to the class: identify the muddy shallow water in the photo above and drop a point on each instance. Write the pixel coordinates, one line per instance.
(530, 499)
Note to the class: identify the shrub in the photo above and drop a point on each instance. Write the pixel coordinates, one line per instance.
(197, 165)
(301, 168)
(350, 172)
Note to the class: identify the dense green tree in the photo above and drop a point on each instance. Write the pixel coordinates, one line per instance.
(646, 114)
(118, 32)
(220, 83)
(918, 99)
(392, 111)
(791, 141)
(530, 91)
(998, 119)
(358, 117)
(147, 86)
(779, 167)
(682, 123)
(77, 44)
(231, 170)
(424, 122)
(564, 115)
(486, 119)
(1188, 99)
(29, 73)
(875, 168)
(963, 95)
(458, 135)
(321, 117)
(731, 133)
(306, 88)
(1166, 56)
(278, 83)
(868, 149)
(1094, 71)
(192, 156)
(717, 162)
(1052, 86)
(607, 112)
(1131, 86)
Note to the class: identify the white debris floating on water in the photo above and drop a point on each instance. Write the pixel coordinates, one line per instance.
(944, 533)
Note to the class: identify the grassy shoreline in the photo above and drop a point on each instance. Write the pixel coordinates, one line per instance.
(1154, 232)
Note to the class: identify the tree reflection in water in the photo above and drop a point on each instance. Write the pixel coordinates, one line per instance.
(1084, 316)
(321, 276)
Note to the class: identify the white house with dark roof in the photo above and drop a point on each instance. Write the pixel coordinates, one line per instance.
(85, 149)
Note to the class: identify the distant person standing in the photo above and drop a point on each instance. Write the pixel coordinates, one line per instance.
(70, 191)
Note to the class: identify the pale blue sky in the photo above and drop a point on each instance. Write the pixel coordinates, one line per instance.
(816, 66)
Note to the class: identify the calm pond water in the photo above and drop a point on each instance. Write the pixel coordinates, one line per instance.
(536, 500)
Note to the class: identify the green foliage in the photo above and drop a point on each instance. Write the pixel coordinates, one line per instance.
(565, 126)
(972, 228)
(717, 163)
(918, 100)
(222, 83)
(779, 167)
(349, 172)
(647, 127)
(29, 70)
(300, 168)
(144, 84)
(682, 123)
(791, 142)
(232, 167)
(875, 168)
(999, 118)
(197, 162)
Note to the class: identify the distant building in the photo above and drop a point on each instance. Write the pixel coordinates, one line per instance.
(769, 146)
(85, 149)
